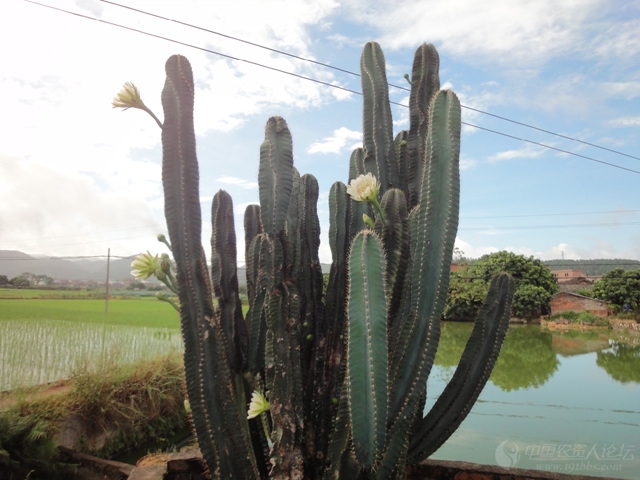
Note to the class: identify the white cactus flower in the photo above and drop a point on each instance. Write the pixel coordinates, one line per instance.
(128, 97)
(364, 188)
(258, 405)
(145, 265)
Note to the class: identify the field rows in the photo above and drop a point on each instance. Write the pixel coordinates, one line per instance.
(46, 340)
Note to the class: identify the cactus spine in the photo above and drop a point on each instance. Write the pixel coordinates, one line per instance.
(345, 372)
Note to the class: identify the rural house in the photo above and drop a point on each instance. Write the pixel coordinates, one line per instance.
(564, 301)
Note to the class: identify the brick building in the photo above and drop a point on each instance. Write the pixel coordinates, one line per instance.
(564, 301)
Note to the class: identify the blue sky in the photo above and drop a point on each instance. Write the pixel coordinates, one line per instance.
(78, 177)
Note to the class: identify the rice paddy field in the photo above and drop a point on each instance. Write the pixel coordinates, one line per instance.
(47, 336)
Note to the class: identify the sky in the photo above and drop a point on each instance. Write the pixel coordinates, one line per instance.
(78, 177)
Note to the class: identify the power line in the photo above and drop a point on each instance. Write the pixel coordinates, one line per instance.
(185, 44)
(322, 82)
(315, 62)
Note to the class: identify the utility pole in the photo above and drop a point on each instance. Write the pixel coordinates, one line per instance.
(106, 297)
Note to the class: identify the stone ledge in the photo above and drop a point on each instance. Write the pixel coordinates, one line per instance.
(452, 470)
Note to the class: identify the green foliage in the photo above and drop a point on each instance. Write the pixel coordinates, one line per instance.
(3, 280)
(27, 448)
(535, 284)
(20, 282)
(581, 318)
(141, 402)
(136, 285)
(619, 287)
(346, 381)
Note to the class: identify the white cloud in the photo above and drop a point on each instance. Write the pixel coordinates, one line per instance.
(631, 121)
(626, 90)
(337, 142)
(519, 32)
(467, 163)
(526, 152)
(41, 206)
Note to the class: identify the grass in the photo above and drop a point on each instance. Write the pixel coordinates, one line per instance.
(581, 318)
(136, 403)
(147, 312)
(43, 340)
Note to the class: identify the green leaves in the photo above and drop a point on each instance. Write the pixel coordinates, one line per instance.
(367, 347)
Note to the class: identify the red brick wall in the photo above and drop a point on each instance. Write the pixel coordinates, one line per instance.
(564, 301)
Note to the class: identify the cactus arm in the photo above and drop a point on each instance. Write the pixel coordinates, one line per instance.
(252, 228)
(425, 82)
(394, 232)
(340, 460)
(402, 160)
(210, 382)
(224, 277)
(275, 175)
(366, 378)
(472, 373)
(259, 268)
(377, 125)
(433, 234)
(283, 381)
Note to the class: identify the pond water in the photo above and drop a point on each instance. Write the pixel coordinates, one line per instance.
(566, 402)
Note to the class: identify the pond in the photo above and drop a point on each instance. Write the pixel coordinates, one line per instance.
(565, 402)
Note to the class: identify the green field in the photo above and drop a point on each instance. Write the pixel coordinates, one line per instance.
(44, 338)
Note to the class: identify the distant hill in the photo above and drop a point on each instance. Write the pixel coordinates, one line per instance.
(593, 267)
(14, 263)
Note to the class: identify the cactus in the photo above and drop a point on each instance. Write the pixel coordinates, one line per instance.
(344, 372)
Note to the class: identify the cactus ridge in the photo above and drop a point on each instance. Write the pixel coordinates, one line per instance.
(224, 276)
(344, 370)
(425, 82)
(367, 347)
(275, 176)
(377, 126)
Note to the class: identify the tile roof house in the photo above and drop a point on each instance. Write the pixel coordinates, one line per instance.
(564, 301)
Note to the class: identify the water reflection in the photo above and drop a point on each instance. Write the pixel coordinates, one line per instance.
(550, 392)
(621, 361)
(529, 355)
(526, 360)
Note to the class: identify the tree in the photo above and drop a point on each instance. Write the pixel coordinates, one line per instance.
(3, 280)
(20, 282)
(619, 287)
(535, 284)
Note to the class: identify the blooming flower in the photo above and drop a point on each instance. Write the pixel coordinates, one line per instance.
(258, 405)
(145, 265)
(364, 188)
(128, 97)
